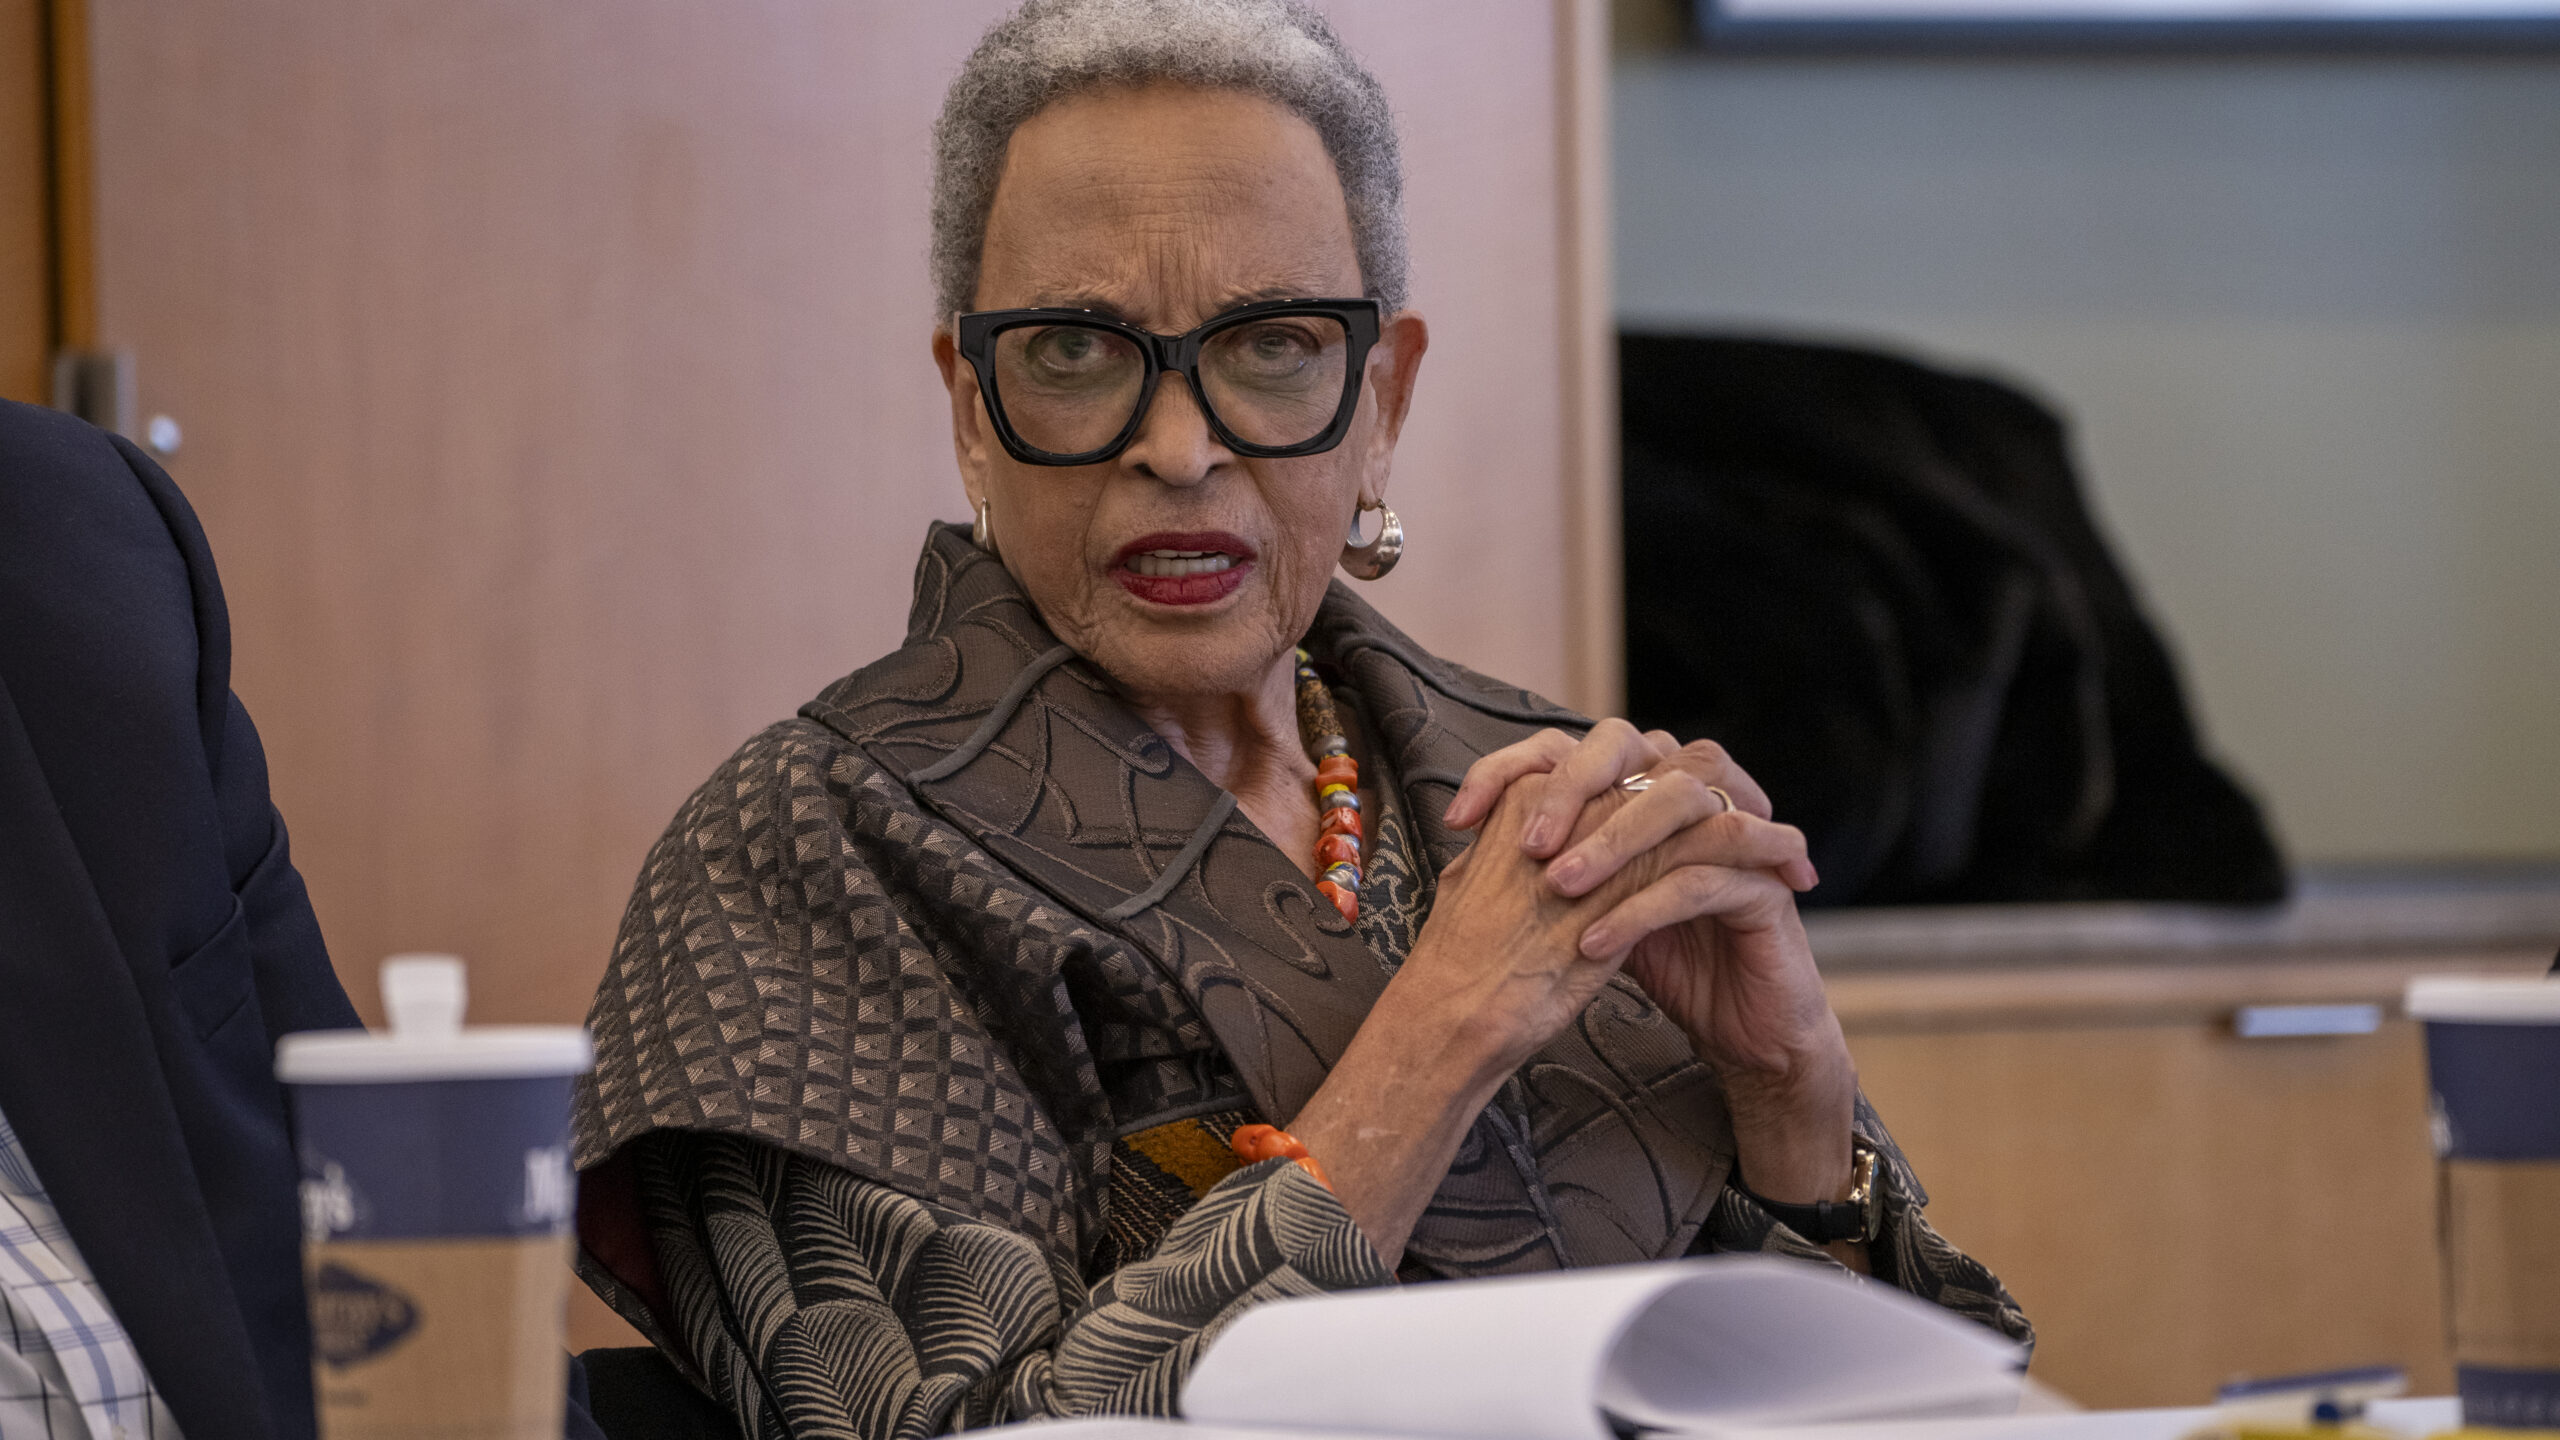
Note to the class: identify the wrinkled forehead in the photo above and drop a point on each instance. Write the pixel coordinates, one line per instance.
(1164, 206)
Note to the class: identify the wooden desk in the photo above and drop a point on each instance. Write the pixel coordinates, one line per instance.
(2175, 1205)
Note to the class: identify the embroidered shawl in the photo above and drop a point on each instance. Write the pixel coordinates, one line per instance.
(1021, 865)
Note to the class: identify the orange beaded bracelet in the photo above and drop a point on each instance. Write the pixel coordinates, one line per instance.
(1254, 1144)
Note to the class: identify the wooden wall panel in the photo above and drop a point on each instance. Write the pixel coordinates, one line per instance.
(556, 394)
(557, 398)
(1484, 476)
(26, 279)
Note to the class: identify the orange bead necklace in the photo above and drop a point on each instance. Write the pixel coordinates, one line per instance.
(1338, 833)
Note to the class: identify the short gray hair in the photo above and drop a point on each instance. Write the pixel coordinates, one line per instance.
(1047, 50)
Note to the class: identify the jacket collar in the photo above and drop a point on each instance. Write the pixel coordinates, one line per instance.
(1062, 782)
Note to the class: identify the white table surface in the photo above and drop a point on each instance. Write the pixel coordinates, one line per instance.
(2414, 1418)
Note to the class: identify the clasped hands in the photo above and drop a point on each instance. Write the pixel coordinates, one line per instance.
(1573, 878)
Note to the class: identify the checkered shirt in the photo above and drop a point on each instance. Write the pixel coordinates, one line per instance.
(67, 1369)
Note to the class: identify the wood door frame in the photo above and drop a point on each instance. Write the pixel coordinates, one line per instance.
(1594, 587)
(73, 175)
(26, 208)
(48, 255)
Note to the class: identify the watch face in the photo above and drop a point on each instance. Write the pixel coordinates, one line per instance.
(1865, 1192)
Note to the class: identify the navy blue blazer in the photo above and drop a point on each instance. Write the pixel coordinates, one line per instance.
(154, 937)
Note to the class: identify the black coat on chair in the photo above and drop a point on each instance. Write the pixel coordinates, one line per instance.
(1877, 584)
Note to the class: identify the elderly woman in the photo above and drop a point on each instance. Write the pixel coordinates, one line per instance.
(943, 1043)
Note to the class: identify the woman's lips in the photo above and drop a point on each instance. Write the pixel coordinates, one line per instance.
(1183, 567)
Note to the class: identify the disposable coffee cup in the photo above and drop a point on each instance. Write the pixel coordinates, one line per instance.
(2493, 1063)
(436, 1205)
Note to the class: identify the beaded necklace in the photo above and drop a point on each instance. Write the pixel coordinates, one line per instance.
(1337, 792)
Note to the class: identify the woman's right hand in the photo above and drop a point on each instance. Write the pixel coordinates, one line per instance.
(1501, 954)
(1496, 973)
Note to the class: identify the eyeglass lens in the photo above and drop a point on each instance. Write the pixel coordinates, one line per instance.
(1274, 381)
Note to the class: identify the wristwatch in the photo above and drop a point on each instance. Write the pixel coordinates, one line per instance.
(1859, 1218)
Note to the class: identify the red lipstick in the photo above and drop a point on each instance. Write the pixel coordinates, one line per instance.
(1183, 567)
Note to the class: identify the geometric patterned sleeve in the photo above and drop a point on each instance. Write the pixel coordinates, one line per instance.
(1908, 1255)
(817, 1302)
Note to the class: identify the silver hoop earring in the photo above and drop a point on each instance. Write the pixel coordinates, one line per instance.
(1378, 556)
(981, 533)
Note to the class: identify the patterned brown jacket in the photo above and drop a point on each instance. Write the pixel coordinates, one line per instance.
(933, 1005)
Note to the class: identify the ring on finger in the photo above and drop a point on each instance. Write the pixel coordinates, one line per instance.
(1718, 792)
(1640, 782)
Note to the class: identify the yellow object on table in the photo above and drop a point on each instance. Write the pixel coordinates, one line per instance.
(2250, 1428)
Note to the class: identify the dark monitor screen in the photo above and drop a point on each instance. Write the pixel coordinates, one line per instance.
(2465, 24)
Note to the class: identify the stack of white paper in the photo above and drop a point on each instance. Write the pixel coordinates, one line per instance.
(1688, 1347)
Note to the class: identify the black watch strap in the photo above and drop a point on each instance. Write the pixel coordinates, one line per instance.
(1858, 1218)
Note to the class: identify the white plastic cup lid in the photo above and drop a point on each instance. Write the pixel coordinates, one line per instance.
(2485, 1000)
(425, 996)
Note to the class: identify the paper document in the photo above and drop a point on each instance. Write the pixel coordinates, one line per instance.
(1677, 1345)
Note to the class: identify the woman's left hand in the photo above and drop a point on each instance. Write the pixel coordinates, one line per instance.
(1586, 767)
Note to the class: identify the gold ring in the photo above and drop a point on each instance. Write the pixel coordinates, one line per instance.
(1636, 784)
(1718, 792)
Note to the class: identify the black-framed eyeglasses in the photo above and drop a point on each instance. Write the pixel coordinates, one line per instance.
(1071, 387)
